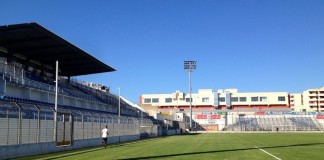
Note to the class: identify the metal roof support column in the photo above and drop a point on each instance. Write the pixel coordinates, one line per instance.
(69, 78)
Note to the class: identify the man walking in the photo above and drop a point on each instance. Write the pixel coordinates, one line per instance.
(104, 135)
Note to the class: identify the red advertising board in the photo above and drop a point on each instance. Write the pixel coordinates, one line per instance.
(201, 116)
(320, 116)
(205, 116)
(207, 127)
(259, 113)
(215, 116)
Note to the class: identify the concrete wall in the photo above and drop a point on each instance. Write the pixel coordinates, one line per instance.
(23, 150)
(173, 132)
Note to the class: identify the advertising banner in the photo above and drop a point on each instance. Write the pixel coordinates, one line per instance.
(215, 116)
(205, 116)
(201, 116)
(320, 116)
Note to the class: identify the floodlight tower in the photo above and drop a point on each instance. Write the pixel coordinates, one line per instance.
(55, 102)
(190, 66)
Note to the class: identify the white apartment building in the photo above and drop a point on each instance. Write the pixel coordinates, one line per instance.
(206, 100)
(313, 99)
(222, 100)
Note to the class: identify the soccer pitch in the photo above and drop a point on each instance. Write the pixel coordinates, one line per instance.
(225, 146)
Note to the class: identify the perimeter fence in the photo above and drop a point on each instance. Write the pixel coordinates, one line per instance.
(22, 123)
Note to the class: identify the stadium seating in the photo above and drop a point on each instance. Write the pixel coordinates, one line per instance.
(22, 78)
(274, 122)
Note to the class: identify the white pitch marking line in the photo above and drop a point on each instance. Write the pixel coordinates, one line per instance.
(268, 153)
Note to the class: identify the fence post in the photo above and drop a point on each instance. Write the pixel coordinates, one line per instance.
(8, 126)
(71, 128)
(112, 121)
(92, 119)
(19, 125)
(38, 124)
(82, 124)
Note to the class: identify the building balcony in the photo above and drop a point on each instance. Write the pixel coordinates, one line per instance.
(313, 104)
(312, 92)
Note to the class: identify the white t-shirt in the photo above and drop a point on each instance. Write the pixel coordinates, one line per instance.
(104, 133)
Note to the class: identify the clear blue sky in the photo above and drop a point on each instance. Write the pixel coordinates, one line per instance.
(252, 45)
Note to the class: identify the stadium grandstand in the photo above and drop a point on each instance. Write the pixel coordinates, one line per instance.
(28, 55)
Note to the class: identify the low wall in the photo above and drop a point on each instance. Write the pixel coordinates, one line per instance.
(22, 150)
(173, 132)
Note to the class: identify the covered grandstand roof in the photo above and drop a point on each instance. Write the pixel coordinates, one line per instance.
(37, 43)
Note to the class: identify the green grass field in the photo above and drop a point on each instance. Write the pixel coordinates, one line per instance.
(226, 146)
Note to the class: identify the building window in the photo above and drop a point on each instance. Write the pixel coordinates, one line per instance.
(155, 100)
(242, 99)
(168, 100)
(188, 99)
(254, 99)
(281, 98)
(147, 100)
(205, 99)
(234, 99)
(221, 99)
(263, 99)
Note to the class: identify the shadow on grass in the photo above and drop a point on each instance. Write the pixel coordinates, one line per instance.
(188, 134)
(39, 157)
(100, 147)
(229, 150)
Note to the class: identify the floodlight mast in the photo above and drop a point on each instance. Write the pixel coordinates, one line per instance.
(190, 66)
(55, 103)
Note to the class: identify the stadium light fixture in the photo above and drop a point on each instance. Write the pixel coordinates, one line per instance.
(190, 66)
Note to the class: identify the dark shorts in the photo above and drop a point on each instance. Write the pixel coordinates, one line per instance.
(104, 140)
